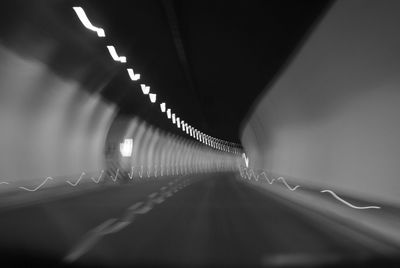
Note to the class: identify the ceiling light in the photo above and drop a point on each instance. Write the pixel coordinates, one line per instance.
(114, 54)
(169, 113)
(153, 97)
(145, 89)
(85, 21)
(163, 107)
(132, 75)
(126, 147)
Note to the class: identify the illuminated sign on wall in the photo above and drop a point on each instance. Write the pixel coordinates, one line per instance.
(126, 148)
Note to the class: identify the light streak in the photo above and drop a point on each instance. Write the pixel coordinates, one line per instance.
(347, 203)
(248, 174)
(114, 178)
(132, 75)
(287, 185)
(85, 21)
(130, 175)
(246, 159)
(98, 180)
(38, 187)
(76, 183)
(266, 177)
(114, 54)
(140, 172)
(4, 182)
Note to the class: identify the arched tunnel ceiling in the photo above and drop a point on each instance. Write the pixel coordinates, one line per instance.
(208, 60)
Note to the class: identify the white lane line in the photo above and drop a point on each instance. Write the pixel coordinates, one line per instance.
(136, 206)
(146, 208)
(113, 225)
(159, 200)
(118, 226)
(347, 203)
(4, 182)
(38, 187)
(88, 241)
(287, 185)
(152, 195)
(168, 193)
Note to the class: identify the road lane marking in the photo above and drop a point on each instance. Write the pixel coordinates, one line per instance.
(114, 225)
(88, 241)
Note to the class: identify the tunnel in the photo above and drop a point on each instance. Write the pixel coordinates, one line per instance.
(171, 133)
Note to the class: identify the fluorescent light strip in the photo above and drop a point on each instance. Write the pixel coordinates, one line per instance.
(85, 21)
(163, 107)
(153, 97)
(145, 89)
(114, 54)
(132, 75)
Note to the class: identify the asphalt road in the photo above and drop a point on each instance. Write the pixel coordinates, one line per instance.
(204, 220)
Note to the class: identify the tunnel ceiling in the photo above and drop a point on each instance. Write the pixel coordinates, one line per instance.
(208, 60)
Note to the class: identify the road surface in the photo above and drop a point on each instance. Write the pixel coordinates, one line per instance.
(194, 220)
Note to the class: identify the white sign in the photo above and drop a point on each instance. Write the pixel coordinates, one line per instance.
(126, 148)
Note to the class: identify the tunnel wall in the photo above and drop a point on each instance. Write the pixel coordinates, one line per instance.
(53, 121)
(157, 153)
(332, 117)
(49, 126)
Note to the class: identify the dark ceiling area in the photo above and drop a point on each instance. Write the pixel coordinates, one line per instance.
(208, 60)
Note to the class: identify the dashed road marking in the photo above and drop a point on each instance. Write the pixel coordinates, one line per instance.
(114, 225)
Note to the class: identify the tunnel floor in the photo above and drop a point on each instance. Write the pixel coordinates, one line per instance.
(208, 220)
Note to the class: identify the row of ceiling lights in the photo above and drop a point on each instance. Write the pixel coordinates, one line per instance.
(181, 124)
